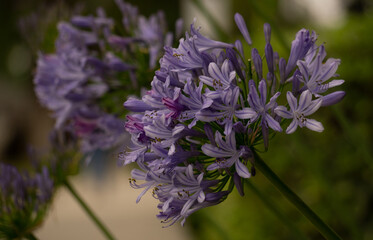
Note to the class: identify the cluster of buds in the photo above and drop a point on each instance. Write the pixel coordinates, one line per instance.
(24, 200)
(195, 132)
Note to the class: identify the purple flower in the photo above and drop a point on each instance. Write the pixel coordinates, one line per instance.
(242, 26)
(299, 112)
(224, 112)
(299, 48)
(220, 79)
(196, 102)
(203, 43)
(227, 154)
(257, 60)
(260, 105)
(23, 197)
(194, 131)
(267, 32)
(314, 73)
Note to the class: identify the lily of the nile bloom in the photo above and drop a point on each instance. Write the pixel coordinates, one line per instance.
(260, 105)
(196, 102)
(227, 154)
(299, 48)
(24, 200)
(219, 79)
(198, 127)
(189, 191)
(298, 113)
(314, 74)
(224, 112)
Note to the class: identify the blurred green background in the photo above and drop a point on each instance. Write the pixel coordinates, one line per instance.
(331, 171)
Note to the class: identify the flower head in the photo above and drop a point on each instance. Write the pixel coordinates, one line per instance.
(82, 81)
(24, 199)
(206, 113)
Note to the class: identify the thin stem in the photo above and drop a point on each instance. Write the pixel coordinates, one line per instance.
(90, 213)
(322, 227)
(274, 209)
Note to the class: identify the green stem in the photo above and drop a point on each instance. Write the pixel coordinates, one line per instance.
(274, 209)
(90, 213)
(322, 227)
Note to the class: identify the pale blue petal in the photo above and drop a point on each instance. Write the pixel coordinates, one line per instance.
(272, 123)
(242, 170)
(292, 101)
(304, 100)
(283, 112)
(314, 125)
(292, 127)
(213, 151)
(246, 113)
(313, 107)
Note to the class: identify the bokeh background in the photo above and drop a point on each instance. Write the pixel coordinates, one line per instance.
(332, 171)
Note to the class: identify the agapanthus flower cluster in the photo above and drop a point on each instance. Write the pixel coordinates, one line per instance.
(194, 133)
(92, 68)
(24, 200)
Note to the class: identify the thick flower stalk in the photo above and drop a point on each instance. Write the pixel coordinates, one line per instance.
(195, 133)
(93, 66)
(24, 200)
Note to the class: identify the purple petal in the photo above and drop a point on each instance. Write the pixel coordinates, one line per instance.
(238, 45)
(292, 101)
(215, 72)
(313, 107)
(136, 105)
(257, 60)
(242, 170)
(269, 57)
(304, 100)
(314, 125)
(209, 116)
(283, 112)
(231, 140)
(292, 127)
(263, 91)
(272, 123)
(332, 98)
(246, 113)
(335, 83)
(213, 151)
(332, 66)
(243, 28)
(267, 32)
(201, 197)
(238, 183)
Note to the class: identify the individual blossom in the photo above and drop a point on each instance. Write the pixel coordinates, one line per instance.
(315, 74)
(196, 131)
(299, 112)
